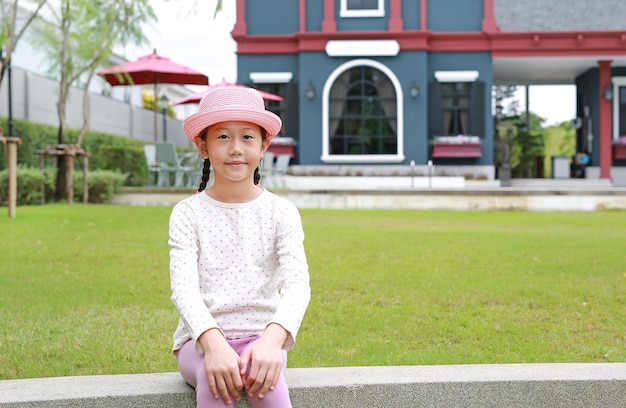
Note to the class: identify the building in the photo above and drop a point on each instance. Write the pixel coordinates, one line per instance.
(379, 83)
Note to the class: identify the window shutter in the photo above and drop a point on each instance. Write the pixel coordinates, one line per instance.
(291, 125)
(435, 110)
(477, 109)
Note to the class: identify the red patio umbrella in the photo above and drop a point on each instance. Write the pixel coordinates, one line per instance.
(152, 69)
(195, 98)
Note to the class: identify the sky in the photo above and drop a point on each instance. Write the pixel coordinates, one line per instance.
(555, 103)
(187, 33)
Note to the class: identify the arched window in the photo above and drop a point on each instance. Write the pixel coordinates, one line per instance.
(362, 114)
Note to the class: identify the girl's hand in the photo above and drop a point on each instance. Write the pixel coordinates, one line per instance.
(222, 365)
(266, 358)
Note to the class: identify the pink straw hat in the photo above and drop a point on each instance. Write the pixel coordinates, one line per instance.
(231, 103)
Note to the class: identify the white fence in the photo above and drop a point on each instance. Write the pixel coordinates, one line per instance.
(34, 99)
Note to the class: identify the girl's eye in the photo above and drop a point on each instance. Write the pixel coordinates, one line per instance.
(248, 137)
(222, 137)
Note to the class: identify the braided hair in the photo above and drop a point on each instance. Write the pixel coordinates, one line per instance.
(206, 168)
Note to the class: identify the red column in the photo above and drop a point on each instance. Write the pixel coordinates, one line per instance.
(395, 17)
(604, 117)
(489, 19)
(423, 15)
(240, 28)
(329, 25)
(302, 16)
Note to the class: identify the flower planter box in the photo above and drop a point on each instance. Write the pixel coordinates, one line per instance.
(281, 149)
(282, 145)
(464, 150)
(619, 152)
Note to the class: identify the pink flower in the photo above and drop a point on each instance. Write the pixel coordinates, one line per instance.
(620, 140)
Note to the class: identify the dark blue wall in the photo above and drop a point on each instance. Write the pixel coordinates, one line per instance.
(272, 17)
(362, 24)
(587, 88)
(409, 67)
(455, 15)
(266, 63)
(314, 67)
(411, 15)
(314, 16)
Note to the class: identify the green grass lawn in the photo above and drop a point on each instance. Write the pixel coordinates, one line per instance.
(84, 289)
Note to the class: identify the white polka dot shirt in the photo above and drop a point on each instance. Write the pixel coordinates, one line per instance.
(237, 267)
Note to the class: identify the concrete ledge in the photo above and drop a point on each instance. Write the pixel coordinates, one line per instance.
(463, 200)
(126, 391)
(502, 385)
(295, 183)
(480, 196)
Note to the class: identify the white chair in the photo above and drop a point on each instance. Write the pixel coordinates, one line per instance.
(153, 170)
(157, 175)
(170, 162)
(196, 162)
(280, 169)
(266, 168)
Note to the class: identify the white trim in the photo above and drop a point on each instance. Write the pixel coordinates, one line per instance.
(456, 76)
(345, 12)
(617, 83)
(362, 48)
(363, 158)
(271, 77)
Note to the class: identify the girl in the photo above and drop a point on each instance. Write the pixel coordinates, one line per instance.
(238, 269)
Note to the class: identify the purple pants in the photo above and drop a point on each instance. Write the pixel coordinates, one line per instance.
(191, 367)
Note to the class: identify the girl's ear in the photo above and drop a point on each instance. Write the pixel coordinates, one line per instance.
(201, 144)
(265, 146)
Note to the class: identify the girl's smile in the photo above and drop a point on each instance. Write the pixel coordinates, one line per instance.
(236, 163)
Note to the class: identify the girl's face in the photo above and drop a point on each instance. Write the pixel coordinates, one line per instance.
(234, 148)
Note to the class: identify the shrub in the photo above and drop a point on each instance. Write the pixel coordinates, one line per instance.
(35, 187)
(32, 185)
(37, 136)
(102, 184)
(34, 136)
(129, 160)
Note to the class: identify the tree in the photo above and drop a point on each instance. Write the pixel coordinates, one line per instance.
(15, 21)
(519, 139)
(530, 146)
(218, 7)
(524, 145)
(78, 38)
(503, 131)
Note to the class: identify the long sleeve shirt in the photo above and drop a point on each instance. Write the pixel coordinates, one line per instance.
(237, 267)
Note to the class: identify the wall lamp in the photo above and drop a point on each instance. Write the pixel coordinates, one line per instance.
(414, 90)
(607, 92)
(310, 91)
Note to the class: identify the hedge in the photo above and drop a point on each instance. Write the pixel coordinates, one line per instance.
(106, 151)
(36, 187)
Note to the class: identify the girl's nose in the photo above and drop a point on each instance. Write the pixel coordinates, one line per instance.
(235, 147)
